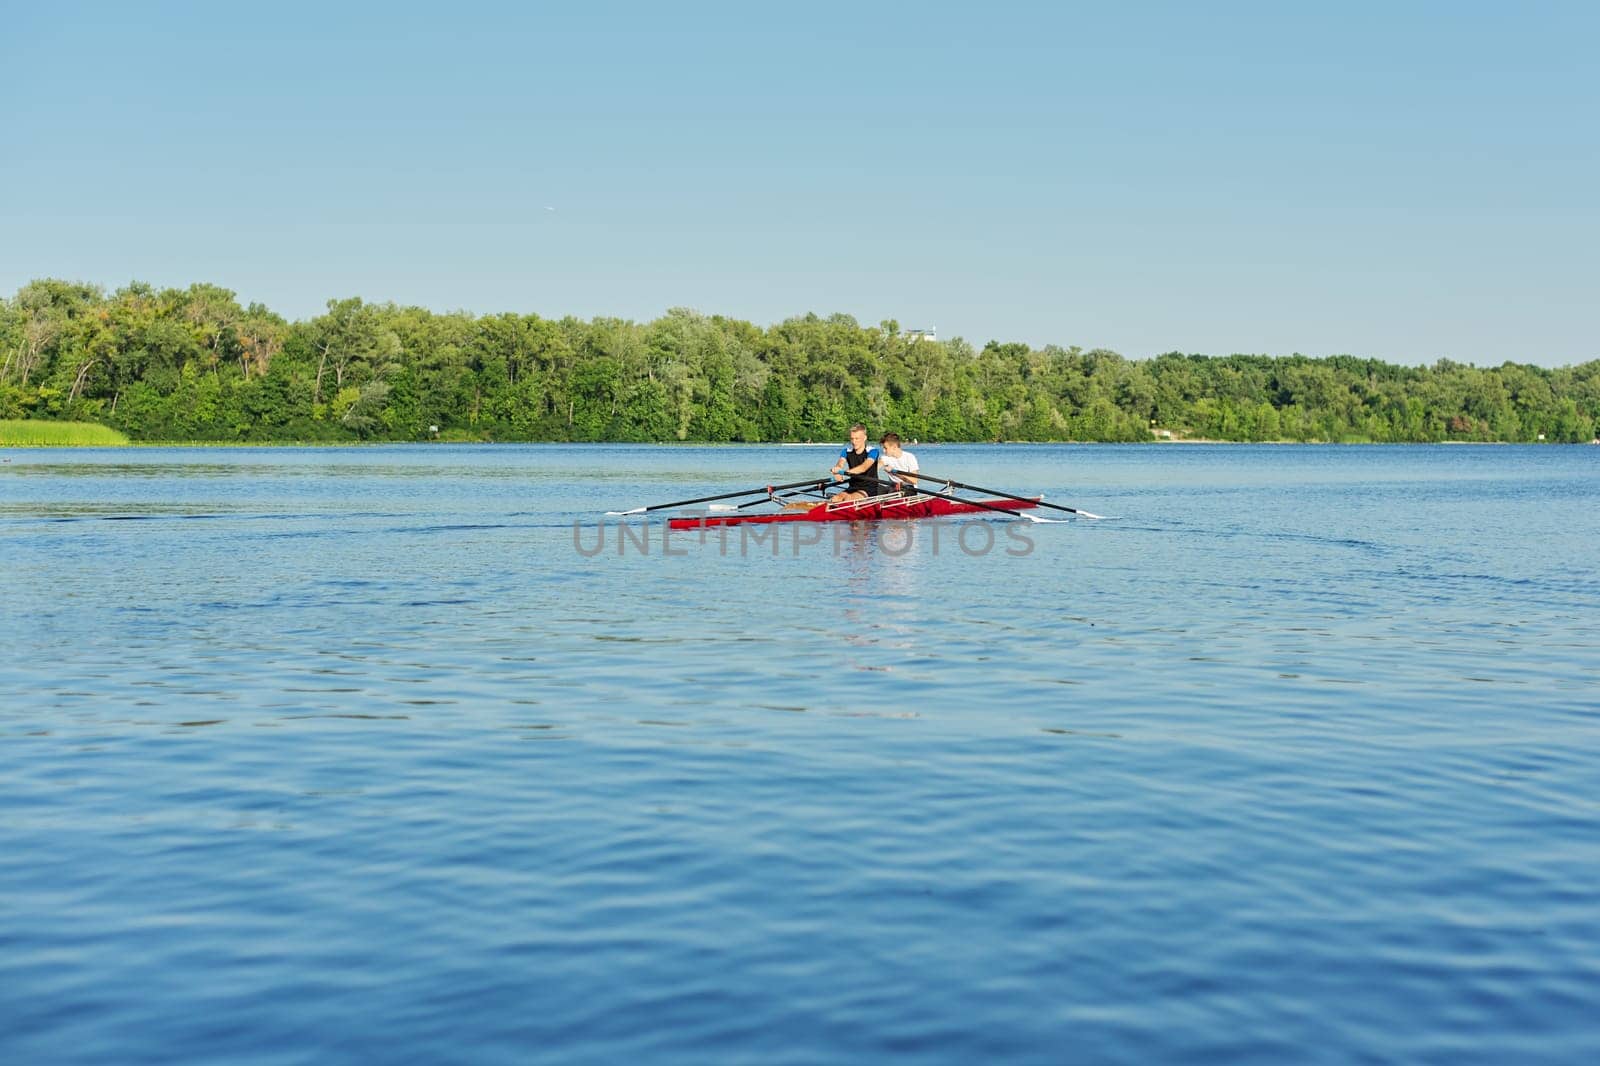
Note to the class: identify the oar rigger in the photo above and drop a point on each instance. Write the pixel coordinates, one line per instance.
(923, 502)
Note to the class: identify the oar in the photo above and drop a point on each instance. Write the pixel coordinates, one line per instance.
(723, 496)
(810, 489)
(1006, 495)
(979, 503)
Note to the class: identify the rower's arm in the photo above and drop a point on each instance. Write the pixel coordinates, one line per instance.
(900, 474)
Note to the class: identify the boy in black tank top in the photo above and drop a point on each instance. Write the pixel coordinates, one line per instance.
(860, 463)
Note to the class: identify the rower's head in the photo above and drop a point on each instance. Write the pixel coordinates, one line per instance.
(891, 444)
(858, 436)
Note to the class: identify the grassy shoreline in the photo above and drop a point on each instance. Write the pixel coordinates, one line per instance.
(39, 433)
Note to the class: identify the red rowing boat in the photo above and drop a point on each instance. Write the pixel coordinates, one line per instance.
(874, 509)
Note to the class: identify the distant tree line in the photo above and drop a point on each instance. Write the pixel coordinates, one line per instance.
(192, 364)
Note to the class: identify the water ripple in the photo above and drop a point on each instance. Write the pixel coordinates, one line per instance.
(323, 755)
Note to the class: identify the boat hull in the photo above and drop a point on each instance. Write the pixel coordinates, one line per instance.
(873, 510)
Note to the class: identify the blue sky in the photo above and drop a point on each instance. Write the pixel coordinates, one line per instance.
(1405, 181)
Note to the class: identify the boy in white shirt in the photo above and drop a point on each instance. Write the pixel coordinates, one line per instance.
(897, 465)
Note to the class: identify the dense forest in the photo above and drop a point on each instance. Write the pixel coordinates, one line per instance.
(192, 364)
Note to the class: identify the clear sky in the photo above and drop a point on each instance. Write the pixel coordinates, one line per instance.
(1397, 180)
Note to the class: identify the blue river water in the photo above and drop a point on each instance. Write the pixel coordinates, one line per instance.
(406, 754)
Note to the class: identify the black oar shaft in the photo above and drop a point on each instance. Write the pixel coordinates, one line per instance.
(975, 503)
(811, 488)
(997, 492)
(726, 495)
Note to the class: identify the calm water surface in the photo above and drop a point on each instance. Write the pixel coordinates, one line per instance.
(353, 755)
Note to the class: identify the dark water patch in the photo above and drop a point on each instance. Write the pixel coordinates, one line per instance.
(459, 527)
(358, 717)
